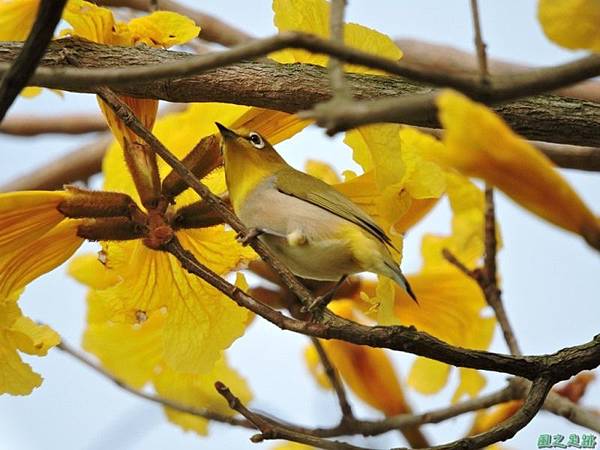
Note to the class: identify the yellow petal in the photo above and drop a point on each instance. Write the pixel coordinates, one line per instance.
(471, 384)
(198, 391)
(143, 108)
(200, 321)
(16, 18)
(36, 257)
(27, 215)
(88, 270)
(480, 144)
(32, 338)
(132, 352)
(292, 446)
(162, 29)
(18, 332)
(90, 22)
(31, 91)
(427, 376)
(16, 377)
(322, 171)
(571, 23)
(276, 126)
(312, 16)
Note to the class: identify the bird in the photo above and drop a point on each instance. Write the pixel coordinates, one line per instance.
(316, 231)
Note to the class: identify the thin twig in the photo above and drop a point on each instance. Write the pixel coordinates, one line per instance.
(272, 429)
(48, 16)
(334, 66)
(205, 414)
(335, 380)
(479, 44)
(490, 278)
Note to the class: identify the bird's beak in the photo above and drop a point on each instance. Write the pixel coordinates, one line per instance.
(226, 132)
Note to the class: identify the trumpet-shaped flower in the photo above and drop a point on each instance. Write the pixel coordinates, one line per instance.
(138, 353)
(480, 144)
(312, 16)
(159, 29)
(571, 23)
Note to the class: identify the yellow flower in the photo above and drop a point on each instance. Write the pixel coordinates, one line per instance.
(312, 16)
(571, 23)
(138, 354)
(480, 144)
(35, 256)
(159, 29)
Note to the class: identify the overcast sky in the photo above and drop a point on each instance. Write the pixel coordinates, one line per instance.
(549, 277)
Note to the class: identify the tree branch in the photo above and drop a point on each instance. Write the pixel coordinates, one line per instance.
(23, 67)
(292, 88)
(205, 414)
(28, 125)
(272, 429)
(335, 380)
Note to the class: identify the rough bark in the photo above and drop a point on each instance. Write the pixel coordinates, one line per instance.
(296, 87)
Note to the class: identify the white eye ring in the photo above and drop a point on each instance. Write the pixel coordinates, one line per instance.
(256, 140)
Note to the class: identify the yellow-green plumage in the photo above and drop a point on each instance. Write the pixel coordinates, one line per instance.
(314, 229)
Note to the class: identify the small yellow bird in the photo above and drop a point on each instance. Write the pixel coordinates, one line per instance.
(311, 227)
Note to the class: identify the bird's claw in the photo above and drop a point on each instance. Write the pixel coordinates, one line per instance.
(244, 238)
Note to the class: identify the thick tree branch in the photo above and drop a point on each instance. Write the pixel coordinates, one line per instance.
(427, 56)
(299, 87)
(16, 78)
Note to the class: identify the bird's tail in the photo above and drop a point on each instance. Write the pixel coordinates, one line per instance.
(400, 279)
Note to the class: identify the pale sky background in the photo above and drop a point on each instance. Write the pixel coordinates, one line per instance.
(549, 277)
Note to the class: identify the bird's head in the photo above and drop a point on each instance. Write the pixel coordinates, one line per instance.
(248, 145)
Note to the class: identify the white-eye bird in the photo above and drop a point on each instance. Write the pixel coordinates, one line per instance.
(312, 228)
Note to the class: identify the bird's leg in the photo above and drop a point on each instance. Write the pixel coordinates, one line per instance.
(323, 300)
(245, 238)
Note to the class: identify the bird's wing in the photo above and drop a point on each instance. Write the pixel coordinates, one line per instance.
(321, 194)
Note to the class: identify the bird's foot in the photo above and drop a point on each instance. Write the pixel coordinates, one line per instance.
(321, 302)
(244, 238)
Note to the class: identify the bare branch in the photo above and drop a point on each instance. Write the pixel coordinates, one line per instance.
(427, 56)
(334, 66)
(27, 125)
(294, 87)
(479, 44)
(271, 429)
(205, 414)
(335, 380)
(507, 429)
(489, 280)
(23, 67)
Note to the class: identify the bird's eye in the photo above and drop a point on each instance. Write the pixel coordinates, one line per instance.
(256, 140)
